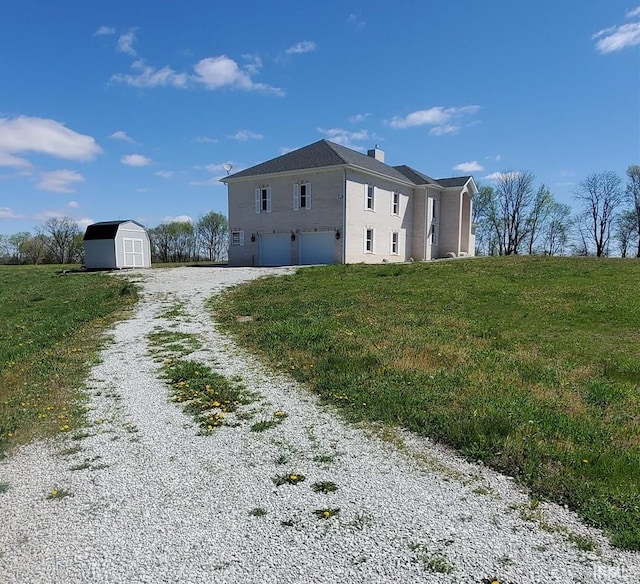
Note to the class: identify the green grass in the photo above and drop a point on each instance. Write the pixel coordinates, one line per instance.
(50, 330)
(529, 364)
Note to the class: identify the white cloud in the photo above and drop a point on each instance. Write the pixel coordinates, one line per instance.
(442, 119)
(120, 135)
(617, 38)
(254, 63)
(125, 43)
(345, 137)
(150, 77)
(218, 72)
(301, 47)
(165, 173)
(136, 160)
(353, 19)
(207, 140)
(244, 135)
(105, 30)
(73, 205)
(178, 219)
(356, 119)
(633, 12)
(7, 213)
(42, 136)
(60, 181)
(84, 222)
(472, 166)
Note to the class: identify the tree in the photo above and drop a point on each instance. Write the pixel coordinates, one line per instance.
(16, 243)
(514, 192)
(61, 236)
(35, 249)
(600, 194)
(173, 242)
(625, 230)
(633, 198)
(483, 209)
(538, 216)
(555, 233)
(213, 234)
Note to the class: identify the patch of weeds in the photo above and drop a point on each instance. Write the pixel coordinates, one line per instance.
(288, 479)
(324, 458)
(80, 435)
(177, 310)
(324, 487)
(482, 491)
(289, 522)
(258, 512)
(4, 487)
(326, 513)
(71, 451)
(82, 466)
(361, 520)
(505, 561)
(282, 459)
(433, 561)
(203, 393)
(173, 343)
(58, 493)
(262, 425)
(130, 427)
(99, 466)
(584, 544)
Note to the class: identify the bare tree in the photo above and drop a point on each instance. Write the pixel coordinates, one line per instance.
(514, 193)
(538, 216)
(633, 198)
(555, 233)
(600, 194)
(62, 236)
(625, 231)
(213, 233)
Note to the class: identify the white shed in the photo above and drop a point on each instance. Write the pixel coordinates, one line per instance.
(116, 244)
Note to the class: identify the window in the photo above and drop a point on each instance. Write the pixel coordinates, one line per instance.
(237, 238)
(435, 212)
(263, 200)
(368, 241)
(369, 199)
(302, 196)
(395, 203)
(394, 243)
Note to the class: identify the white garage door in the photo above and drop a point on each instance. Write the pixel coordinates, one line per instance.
(275, 250)
(317, 247)
(133, 253)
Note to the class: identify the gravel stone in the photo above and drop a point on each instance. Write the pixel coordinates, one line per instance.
(158, 502)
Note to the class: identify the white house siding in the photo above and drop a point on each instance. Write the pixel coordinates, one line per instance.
(381, 220)
(449, 223)
(325, 214)
(100, 254)
(419, 230)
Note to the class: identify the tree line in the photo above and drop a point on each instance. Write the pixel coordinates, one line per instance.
(60, 241)
(516, 217)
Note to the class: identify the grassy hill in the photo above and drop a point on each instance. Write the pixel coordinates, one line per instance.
(529, 364)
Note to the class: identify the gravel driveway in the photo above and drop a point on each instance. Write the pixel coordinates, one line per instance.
(152, 500)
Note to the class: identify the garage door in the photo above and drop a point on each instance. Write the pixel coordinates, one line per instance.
(317, 247)
(275, 250)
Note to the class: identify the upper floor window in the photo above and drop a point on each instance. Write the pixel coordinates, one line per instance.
(435, 212)
(369, 198)
(395, 203)
(263, 200)
(302, 196)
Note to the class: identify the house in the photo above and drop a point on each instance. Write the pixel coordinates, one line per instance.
(116, 244)
(325, 203)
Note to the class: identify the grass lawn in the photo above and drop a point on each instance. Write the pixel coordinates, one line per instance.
(50, 330)
(529, 364)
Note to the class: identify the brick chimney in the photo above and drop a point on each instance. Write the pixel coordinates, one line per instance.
(376, 153)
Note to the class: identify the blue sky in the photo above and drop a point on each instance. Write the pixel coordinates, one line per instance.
(118, 110)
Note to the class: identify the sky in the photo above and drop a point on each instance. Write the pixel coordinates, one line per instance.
(129, 109)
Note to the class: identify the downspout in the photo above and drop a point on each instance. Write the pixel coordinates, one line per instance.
(344, 215)
(425, 238)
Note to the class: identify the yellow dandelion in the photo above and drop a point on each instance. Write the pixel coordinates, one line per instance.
(326, 514)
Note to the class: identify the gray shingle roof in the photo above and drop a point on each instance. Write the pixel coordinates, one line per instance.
(322, 154)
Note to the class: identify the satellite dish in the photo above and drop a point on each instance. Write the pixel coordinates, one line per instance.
(227, 166)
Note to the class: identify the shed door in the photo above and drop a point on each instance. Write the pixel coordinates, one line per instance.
(317, 247)
(133, 254)
(275, 249)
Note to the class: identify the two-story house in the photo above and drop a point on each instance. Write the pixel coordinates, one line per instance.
(325, 203)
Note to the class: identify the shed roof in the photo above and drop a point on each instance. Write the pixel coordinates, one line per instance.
(106, 229)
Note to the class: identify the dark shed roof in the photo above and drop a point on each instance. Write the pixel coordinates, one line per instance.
(106, 229)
